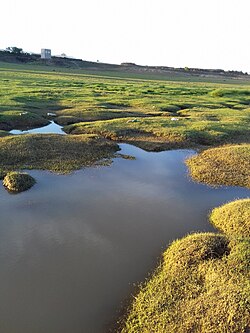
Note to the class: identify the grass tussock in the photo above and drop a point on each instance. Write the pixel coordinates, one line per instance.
(18, 181)
(202, 285)
(226, 165)
(233, 219)
(58, 153)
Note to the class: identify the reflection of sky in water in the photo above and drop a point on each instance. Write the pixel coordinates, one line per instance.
(71, 247)
(51, 128)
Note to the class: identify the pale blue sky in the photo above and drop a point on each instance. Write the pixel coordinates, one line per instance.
(193, 33)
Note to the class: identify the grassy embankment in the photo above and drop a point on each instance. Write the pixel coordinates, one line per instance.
(226, 165)
(202, 284)
(58, 153)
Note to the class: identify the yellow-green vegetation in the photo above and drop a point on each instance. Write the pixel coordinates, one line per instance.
(202, 285)
(226, 165)
(59, 153)
(18, 181)
(233, 218)
(152, 114)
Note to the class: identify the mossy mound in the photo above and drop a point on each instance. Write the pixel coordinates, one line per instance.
(18, 181)
(227, 165)
(58, 153)
(233, 218)
(202, 284)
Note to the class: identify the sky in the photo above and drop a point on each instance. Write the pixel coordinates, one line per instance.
(179, 33)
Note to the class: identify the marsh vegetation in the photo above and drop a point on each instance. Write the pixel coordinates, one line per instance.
(226, 165)
(58, 153)
(140, 112)
(201, 284)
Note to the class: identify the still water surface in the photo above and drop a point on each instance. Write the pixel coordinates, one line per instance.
(52, 127)
(72, 246)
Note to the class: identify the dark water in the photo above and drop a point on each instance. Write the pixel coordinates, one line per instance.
(51, 128)
(72, 246)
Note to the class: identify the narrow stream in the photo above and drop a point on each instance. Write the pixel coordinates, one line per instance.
(72, 247)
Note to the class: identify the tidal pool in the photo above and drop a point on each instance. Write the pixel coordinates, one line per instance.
(50, 128)
(72, 247)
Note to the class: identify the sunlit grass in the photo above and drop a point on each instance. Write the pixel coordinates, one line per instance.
(233, 218)
(58, 153)
(207, 113)
(202, 284)
(226, 165)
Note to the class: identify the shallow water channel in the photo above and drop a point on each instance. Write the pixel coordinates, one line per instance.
(52, 127)
(72, 247)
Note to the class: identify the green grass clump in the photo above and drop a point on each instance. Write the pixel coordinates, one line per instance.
(233, 219)
(59, 153)
(226, 165)
(202, 285)
(18, 181)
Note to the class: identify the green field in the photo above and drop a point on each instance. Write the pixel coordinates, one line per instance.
(155, 115)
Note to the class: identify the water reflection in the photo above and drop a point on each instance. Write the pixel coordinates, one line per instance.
(51, 128)
(72, 246)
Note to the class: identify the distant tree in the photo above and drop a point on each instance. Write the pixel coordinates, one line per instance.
(14, 49)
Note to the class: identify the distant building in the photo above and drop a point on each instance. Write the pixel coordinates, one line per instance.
(45, 53)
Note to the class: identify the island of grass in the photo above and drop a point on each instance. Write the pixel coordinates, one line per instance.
(226, 165)
(58, 153)
(17, 182)
(202, 284)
